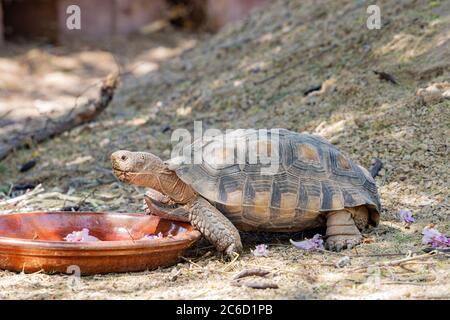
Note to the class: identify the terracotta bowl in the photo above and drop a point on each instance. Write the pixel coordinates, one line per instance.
(31, 242)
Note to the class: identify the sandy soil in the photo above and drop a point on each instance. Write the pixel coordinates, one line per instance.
(254, 74)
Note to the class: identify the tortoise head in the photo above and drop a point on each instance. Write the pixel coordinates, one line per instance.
(147, 170)
(138, 168)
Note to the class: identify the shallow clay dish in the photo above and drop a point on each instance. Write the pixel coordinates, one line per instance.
(31, 242)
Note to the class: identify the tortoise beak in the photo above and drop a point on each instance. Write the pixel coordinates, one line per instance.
(121, 175)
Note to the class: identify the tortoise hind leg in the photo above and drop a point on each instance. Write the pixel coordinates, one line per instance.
(214, 226)
(342, 231)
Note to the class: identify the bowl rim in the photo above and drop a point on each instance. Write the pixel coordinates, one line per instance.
(121, 245)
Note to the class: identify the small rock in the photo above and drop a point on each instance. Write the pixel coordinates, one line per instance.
(173, 276)
(165, 128)
(105, 142)
(434, 93)
(342, 262)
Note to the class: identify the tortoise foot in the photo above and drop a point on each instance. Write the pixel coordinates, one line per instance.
(342, 232)
(341, 242)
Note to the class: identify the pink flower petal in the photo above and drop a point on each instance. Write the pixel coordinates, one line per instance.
(406, 216)
(433, 237)
(260, 251)
(152, 236)
(80, 236)
(315, 243)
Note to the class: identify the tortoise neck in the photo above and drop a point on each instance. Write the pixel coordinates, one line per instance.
(171, 185)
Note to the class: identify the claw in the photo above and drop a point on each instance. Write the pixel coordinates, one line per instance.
(329, 246)
(147, 211)
(233, 250)
(339, 247)
(339, 243)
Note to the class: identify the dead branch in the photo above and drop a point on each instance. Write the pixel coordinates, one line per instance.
(87, 113)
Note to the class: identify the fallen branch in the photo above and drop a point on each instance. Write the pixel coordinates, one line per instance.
(87, 113)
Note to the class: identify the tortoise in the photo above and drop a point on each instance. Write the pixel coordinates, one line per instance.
(311, 185)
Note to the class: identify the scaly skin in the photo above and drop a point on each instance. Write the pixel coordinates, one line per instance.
(214, 226)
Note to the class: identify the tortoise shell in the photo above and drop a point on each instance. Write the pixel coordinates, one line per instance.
(276, 180)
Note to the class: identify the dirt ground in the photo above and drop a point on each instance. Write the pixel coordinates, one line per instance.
(252, 74)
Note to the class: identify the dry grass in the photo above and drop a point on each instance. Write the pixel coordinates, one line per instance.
(253, 75)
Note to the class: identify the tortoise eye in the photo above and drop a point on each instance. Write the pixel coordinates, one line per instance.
(124, 157)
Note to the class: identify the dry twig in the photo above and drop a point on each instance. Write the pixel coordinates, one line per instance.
(16, 200)
(230, 265)
(394, 263)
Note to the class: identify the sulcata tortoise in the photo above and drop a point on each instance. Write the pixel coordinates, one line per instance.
(308, 184)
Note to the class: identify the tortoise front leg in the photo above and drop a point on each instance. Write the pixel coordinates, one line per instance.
(341, 232)
(161, 205)
(214, 226)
